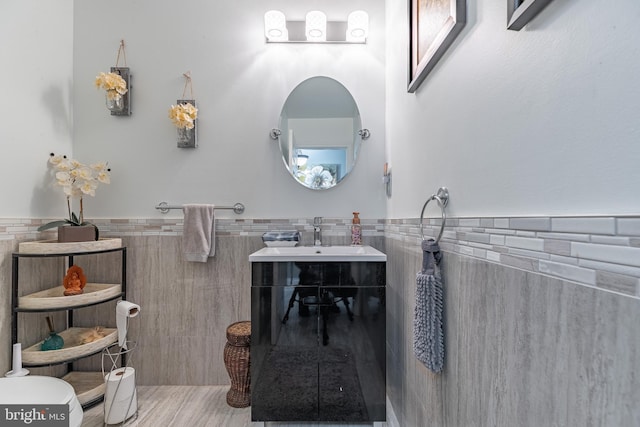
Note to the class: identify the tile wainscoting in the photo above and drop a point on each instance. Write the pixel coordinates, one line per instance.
(541, 320)
(594, 251)
(541, 313)
(185, 306)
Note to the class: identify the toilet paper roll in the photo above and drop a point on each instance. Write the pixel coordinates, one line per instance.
(120, 398)
(119, 411)
(124, 310)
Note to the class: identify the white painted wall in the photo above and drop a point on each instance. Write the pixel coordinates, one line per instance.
(36, 52)
(240, 84)
(538, 122)
(544, 121)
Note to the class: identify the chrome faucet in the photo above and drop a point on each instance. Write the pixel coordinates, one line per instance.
(317, 231)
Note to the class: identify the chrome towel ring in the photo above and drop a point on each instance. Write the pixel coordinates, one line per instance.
(442, 197)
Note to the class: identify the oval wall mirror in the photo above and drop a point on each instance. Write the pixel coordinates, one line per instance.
(319, 133)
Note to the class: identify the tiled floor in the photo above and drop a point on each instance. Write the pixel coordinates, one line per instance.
(179, 406)
(187, 406)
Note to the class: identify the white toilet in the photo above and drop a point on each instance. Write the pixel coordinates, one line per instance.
(41, 390)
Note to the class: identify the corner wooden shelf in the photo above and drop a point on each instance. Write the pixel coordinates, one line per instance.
(54, 298)
(73, 349)
(89, 386)
(53, 247)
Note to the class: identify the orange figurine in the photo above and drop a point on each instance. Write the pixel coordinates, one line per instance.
(74, 281)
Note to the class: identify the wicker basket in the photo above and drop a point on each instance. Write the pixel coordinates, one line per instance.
(236, 360)
(239, 334)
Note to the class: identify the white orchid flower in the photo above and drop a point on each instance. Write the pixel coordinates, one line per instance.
(84, 173)
(89, 187)
(76, 180)
(317, 177)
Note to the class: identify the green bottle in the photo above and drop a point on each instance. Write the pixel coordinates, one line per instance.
(53, 341)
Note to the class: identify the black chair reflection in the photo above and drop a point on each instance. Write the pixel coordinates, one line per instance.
(322, 286)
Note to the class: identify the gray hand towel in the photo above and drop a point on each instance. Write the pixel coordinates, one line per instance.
(199, 233)
(428, 331)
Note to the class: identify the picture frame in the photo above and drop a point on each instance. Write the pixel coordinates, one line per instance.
(520, 12)
(433, 26)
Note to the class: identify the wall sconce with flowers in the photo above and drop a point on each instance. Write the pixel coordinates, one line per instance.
(184, 115)
(117, 84)
(316, 28)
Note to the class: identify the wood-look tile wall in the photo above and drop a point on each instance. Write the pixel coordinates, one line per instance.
(186, 307)
(526, 345)
(521, 348)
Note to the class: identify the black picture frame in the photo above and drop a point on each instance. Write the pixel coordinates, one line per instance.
(520, 12)
(433, 26)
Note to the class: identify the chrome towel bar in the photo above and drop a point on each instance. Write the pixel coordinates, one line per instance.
(164, 207)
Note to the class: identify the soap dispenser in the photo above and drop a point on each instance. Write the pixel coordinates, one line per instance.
(356, 230)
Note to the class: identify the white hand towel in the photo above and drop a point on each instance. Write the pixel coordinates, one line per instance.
(199, 234)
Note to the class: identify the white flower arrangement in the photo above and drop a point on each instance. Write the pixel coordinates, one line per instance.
(317, 177)
(113, 83)
(76, 180)
(183, 115)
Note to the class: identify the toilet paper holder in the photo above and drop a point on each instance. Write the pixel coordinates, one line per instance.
(125, 310)
(120, 396)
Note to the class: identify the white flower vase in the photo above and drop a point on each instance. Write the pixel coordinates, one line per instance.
(115, 104)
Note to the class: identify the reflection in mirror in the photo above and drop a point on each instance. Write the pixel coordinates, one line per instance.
(319, 138)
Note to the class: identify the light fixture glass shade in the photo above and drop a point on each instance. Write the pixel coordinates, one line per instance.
(275, 26)
(316, 26)
(357, 26)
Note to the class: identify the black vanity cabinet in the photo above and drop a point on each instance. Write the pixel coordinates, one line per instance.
(318, 341)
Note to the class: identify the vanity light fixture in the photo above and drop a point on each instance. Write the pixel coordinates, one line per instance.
(316, 28)
(357, 26)
(275, 26)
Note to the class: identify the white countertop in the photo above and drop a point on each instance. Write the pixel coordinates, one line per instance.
(318, 254)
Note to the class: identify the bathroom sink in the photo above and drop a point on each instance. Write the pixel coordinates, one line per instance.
(318, 254)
